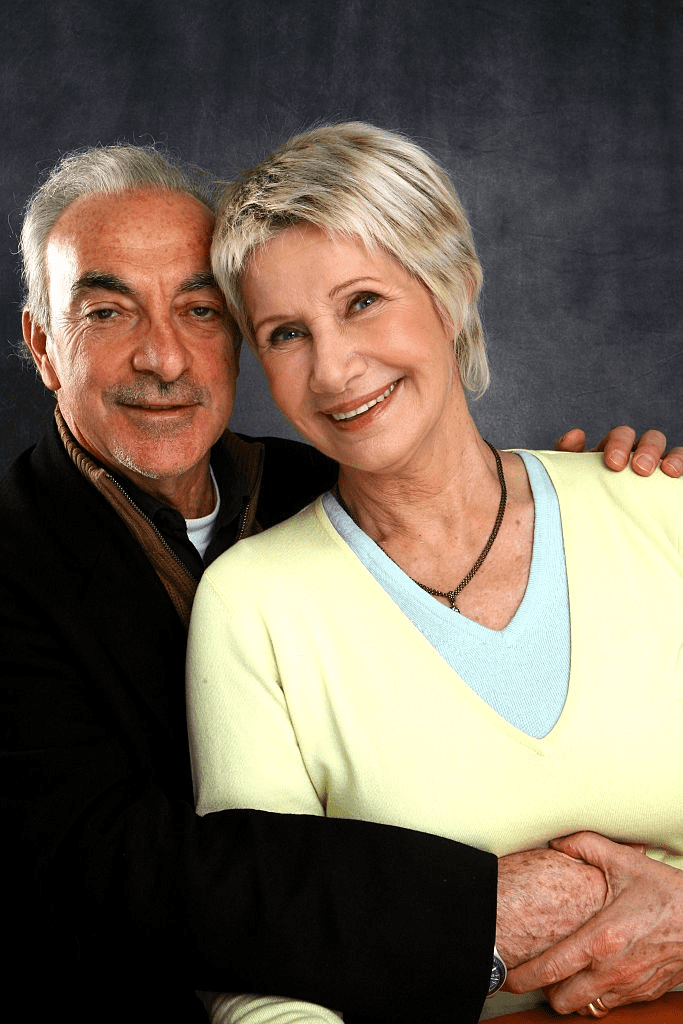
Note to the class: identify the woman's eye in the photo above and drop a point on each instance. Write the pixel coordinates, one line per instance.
(362, 302)
(285, 334)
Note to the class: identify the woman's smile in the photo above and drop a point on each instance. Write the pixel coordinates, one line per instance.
(367, 404)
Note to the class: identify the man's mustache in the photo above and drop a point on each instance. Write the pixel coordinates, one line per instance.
(182, 391)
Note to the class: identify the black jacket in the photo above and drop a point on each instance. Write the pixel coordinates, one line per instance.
(120, 901)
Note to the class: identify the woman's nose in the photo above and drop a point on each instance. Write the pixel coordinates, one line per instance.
(335, 362)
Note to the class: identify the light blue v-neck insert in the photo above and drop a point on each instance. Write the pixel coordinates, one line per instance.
(521, 671)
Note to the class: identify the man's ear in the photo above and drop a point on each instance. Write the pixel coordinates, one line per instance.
(36, 338)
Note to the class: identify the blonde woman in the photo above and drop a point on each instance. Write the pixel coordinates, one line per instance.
(418, 647)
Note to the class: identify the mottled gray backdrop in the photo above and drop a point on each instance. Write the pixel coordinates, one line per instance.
(560, 121)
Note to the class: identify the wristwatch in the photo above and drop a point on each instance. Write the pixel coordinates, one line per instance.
(499, 973)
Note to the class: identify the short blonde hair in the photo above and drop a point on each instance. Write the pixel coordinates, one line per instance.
(364, 182)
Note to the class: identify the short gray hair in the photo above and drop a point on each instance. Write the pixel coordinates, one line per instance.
(368, 183)
(106, 169)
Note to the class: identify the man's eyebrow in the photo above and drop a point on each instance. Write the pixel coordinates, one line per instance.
(195, 283)
(94, 279)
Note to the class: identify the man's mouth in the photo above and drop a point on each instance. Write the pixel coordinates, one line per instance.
(157, 408)
(353, 413)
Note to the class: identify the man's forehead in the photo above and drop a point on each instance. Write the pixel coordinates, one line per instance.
(138, 218)
(119, 236)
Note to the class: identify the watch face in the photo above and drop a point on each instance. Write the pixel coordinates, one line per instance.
(498, 974)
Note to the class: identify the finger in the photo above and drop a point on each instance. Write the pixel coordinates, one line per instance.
(563, 1003)
(574, 994)
(672, 463)
(617, 446)
(591, 848)
(649, 450)
(573, 441)
(557, 964)
(607, 1001)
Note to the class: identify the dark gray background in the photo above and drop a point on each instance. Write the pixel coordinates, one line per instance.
(560, 121)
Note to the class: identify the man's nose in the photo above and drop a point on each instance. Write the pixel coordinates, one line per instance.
(162, 351)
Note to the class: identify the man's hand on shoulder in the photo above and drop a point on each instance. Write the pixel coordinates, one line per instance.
(543, 896)
(617, 446)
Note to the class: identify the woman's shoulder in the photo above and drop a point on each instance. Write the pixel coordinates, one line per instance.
(298, 544)
(586, 489)
(588, 469)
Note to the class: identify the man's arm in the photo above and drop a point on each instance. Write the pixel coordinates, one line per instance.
(632, 950)
(543, 896)
(618, 444)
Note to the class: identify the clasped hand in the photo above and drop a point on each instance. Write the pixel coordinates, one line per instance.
(630, 950)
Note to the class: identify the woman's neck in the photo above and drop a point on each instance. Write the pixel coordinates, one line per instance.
(435, 520)
(446, 489)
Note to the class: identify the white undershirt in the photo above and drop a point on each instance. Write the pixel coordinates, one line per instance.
(200, 531)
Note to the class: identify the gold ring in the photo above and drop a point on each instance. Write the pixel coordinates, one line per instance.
(597, 1008)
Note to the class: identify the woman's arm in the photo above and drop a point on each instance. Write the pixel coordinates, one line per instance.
(243, 746)
(244, 754)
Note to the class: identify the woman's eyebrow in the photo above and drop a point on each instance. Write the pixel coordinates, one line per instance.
(365, 279)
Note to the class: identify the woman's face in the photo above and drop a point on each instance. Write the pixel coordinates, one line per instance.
(356, 354)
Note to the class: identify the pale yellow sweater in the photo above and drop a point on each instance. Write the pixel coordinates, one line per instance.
(310, 691)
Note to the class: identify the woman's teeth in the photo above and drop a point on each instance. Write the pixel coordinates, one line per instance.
(363, 408)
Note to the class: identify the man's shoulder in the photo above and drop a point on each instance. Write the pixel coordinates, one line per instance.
(24, 484)
(294, 474)
(41, 473)
(49, 511)
(293, 454)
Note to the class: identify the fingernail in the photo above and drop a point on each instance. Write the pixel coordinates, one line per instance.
(645, 462)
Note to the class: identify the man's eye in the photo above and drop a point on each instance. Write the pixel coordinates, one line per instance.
(102, 314)
(362, 302)
(203, 312)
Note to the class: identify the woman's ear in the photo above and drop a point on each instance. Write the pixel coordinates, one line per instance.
(36, 339)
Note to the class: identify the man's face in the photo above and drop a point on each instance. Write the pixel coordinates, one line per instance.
(139, 352)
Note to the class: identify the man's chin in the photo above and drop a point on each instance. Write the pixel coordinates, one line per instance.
(149, 466)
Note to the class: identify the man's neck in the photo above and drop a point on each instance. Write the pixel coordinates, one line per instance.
(193, 496)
